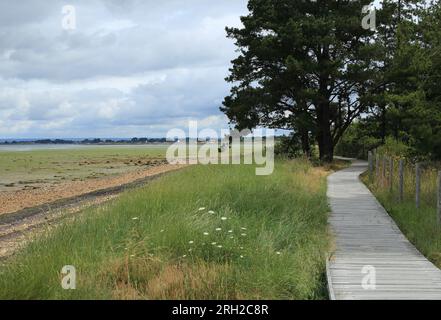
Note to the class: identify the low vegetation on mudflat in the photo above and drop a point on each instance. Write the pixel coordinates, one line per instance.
(205, 232)
(33, 169)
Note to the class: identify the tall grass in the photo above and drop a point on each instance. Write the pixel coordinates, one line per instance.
(206, 232)
(420, 225)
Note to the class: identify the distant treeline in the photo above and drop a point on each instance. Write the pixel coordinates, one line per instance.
(111, 141)
(90, 141)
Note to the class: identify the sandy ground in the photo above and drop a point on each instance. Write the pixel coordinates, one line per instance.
(12, 201)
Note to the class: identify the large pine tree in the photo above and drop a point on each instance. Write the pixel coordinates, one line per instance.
(307, 66)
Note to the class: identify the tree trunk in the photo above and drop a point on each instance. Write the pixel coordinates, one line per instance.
(326, 148)
(324, 135)
(325, 139)
(306, 146)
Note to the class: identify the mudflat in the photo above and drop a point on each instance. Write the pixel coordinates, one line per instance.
(33, 178)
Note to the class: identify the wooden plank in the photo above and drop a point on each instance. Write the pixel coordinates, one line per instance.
(365, 235)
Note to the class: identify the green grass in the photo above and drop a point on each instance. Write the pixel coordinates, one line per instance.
(420, 225)
(276, 249)
(31, 168)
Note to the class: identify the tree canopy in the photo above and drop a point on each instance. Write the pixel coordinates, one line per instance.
(312, 68)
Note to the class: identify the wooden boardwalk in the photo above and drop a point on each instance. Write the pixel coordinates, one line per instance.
(372, 259)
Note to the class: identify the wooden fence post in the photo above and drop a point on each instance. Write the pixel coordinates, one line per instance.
(377, 168)
(417, 185)
(383, 178)
(391, 174)
(371, 165)
(438, 207)
(401, 179)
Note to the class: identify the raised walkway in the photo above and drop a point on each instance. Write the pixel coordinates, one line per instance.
(371, 258)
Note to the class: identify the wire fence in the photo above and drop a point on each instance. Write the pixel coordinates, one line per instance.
(407, 181)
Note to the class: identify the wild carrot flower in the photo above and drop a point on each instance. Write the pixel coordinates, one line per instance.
(224, 218)
(243, 234)
(211, 212)
(214, 243)
(206, 233)
(230, 231)
(135, 218)
(202, 209)
(191, 242)
(218, 229)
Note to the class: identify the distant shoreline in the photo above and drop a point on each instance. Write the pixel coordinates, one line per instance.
(94, 141)
(98, 141)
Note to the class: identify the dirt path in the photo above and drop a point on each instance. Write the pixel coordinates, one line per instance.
(27, 213)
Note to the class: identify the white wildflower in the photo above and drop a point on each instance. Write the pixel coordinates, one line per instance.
(224, 218)
(218, 229)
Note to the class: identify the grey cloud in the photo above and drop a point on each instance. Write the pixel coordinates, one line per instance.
(48, 75)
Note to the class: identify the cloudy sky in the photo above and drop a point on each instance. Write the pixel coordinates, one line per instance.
(130, 67)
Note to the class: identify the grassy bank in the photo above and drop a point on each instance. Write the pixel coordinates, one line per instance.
(420, 225)
(206, 232)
